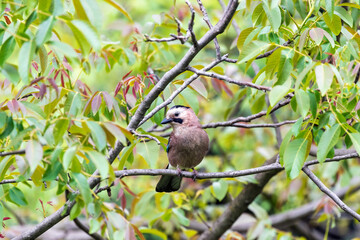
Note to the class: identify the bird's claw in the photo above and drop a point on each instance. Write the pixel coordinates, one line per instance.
(179, 171)
(195, 174)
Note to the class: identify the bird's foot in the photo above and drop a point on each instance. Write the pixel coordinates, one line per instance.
(179, 171)
(195, 174)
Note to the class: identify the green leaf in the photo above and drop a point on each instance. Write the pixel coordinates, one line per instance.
(60, 128)
(355, 138)
(69, 156)
(86, 36)
(100, 162)
(10, 72)
(273, 14)
(333, 23)
(26, 54)
(243, 36)
(83, 187)
(329, 6)
(88, 10)
(120, 8)
(278, 92)
(6, 49)
(219, 189)
(44, 31)
(33, 153)
(5, 163)
(344, 15)
(17, 196)
(252, 50)
(64, 48)
(303, 102)
(295, 156)
(284, 71)
(97, 134)
(328, 141)
(303, 74)
(181, 216)
(149, 151)
(324, 77)
(94, 226)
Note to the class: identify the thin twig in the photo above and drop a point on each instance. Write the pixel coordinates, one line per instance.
(145, 136)
(248, 118)
(207, 21)
(86, 229)
(3, 154)
(229, 80)
(331, 194)
(180, 89)
(190, 30)
(234, 23)
(268, 53)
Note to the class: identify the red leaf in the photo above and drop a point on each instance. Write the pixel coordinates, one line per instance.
(6, 218)
(35, 65)
(13, 106)
(42, 91)
(130, 233)
(36, 80)
(95, 103)
(7, 19)
(104, 54)
(126, 75)
(216, 84)
(66, 64)
(108, 100)
(56, 73)
(117, 89)
(227, 89)
(62, 80)
(53, 84)
(50, 203)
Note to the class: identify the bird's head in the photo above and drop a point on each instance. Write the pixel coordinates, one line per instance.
(181, 116)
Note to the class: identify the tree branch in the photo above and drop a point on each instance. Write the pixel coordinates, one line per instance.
(229, 80)
(86, 229)
(248, 118)
(331, 194)
(182, 64)
(207, 21)
(3, 154)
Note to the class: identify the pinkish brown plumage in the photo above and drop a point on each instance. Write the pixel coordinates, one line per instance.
(188, 144)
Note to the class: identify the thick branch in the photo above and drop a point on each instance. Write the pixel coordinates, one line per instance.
(239, 204)
(331, 194)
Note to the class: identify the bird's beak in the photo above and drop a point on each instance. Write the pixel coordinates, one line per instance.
(166, 120)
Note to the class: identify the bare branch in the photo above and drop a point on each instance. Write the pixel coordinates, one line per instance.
(331, 194)
(179, 90)
(229, 80)
(264, 55)
(246, 119)
(3, 154)
(264, 125)
(86, 229)
(173, 37)
(190, 30)
(182, 64)
(289, 217)
(145, 136)
(207, 21)
(234, 23)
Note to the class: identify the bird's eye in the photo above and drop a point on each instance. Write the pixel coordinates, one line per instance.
(176, 114)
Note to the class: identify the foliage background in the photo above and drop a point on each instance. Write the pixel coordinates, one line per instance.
(89, 67)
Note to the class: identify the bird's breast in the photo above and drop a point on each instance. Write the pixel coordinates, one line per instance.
(188, 147)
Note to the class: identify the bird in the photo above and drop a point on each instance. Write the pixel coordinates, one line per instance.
(187, 146)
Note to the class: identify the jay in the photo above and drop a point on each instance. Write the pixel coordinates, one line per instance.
(187, 146)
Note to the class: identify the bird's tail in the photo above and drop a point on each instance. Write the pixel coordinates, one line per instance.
(168, 183)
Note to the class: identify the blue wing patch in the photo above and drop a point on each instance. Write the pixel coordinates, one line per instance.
(168, 146)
